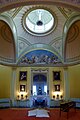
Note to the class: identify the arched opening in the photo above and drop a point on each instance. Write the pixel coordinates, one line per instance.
(7, 45)
(40, 84)
(39, 87)
(72, 49)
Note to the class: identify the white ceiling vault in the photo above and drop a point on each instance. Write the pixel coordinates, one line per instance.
(60, 47)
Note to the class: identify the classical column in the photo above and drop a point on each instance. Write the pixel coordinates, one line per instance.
(31, 82)
(13, 86)
(66, 85)
(47, 81)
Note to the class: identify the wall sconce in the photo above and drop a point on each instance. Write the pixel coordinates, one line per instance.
(22, 96)
(26, 96)
(22, 88)
(18, 97)
(57, 96)
(53, 96)
(61, 96)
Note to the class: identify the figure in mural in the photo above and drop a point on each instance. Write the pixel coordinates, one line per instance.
(40, 56)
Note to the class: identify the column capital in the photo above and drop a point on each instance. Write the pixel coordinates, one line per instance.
(14, 68)
(65, 68)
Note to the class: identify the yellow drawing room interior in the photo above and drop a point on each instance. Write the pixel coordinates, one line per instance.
(39, 52)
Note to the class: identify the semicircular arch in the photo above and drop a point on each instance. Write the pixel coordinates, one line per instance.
(7, 40)
(71, 42)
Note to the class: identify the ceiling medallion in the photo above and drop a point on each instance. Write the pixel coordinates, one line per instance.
(39, 21)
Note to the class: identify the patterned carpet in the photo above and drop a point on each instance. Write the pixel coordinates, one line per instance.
(22, 114)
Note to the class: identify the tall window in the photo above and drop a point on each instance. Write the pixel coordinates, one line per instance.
(34, 90)
(45, 89)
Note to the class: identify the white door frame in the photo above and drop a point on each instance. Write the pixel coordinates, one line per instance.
(40, 71)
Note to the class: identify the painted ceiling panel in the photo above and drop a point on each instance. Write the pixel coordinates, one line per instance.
(54, 39)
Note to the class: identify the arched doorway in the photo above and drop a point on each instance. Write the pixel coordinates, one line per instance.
(39, 87)
(40, 79)
(40, 84)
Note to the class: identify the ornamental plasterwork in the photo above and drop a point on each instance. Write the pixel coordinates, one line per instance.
(34, 39)
(74, 59)
(72, 1)
(25, 37)
(58, 45)
(39, 70)
(22, 45)
(39, 21)
(66, 12)
(13, 11)
(11, 1)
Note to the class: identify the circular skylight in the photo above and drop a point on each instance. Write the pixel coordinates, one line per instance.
(39, 21)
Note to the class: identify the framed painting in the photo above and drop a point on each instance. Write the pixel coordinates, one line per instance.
(23, 75)
(22, 88)
(56, 75)
(57, 87)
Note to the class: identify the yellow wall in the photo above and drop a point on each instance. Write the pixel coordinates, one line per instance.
(52, 83)
(5, 78)
(74, 78)
(50, 78)
(27, 82)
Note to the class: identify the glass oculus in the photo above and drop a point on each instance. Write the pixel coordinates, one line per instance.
(39, 21)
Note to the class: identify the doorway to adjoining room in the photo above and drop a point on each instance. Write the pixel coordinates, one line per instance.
(40, 84)
(40, 89)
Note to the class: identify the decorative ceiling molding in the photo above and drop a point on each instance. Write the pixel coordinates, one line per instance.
(5, 32)
(9, 4)
(73, 60)
(7, 42)
(6, 60)
(58, 46)
(66, 12)
(53, 42)
(72, 19)
(40, 47)
(22, 45)
(30, 16)
(32, 39)
(73, 33)
(14, 12)
(72, 48)
(8, 20)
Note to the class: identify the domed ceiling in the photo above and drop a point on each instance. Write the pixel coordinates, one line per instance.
(42, 35)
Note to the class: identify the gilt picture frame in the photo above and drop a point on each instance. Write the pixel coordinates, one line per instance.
(57, 87)
(56, 75)
(22, 88)
(23, 76)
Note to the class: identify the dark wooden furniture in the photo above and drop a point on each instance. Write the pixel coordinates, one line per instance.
(66, 106)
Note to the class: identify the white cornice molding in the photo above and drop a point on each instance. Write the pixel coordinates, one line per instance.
(9, 4)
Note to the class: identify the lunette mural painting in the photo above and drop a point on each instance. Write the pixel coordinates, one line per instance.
(39, 57)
